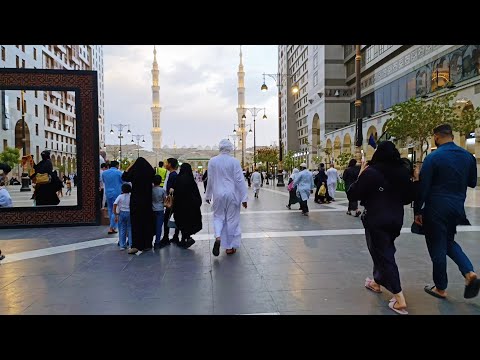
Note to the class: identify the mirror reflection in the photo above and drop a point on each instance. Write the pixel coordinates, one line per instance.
(38, 149)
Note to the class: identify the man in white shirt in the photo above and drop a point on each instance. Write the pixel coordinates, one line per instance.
(332, 179)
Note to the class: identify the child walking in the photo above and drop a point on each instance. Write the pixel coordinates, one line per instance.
(158, 196)
(121, 209)
(69, 188)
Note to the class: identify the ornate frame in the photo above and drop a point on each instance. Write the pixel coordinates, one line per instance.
(84, 84)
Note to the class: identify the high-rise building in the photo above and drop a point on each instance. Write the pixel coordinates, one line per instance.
(49, 115)
(156, 108)
(390, 74)
(293, 61)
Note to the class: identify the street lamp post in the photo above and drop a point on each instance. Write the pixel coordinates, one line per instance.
(25, 177)
(137, 138)
(234, 138)
(358, 105)
(279, 78)
(254, 111)
(242, 130)
(120, 128)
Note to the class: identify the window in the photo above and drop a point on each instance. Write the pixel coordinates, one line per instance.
(402, 89)
(18, 104)
(36, 110)
(23, 48)
(3, 53)
(23, 63)
(36, 129)
(17, 61)
(34, 54)
(315, 61)
(411, 85)
(5, 143)
(25, 106)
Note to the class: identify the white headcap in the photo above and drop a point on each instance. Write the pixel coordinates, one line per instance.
(225, 146)
(303, 165)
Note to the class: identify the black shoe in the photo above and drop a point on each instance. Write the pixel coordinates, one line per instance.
(163, 243)
(175, 240)
(189, 243)
(216, 248)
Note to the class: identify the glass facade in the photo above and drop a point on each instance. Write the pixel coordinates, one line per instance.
(457, 66)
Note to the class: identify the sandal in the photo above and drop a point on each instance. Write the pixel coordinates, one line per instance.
(429, 290)
(400, 311)
(216, 248)
(472, 289)
(368, 285)
(231, 251)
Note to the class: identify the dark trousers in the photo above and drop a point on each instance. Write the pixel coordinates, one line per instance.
(304, 206)
(205, 185)
(317, 197)
(440, 237)
(166, 229)
(382, 250)
(352, 205)
(101, 197)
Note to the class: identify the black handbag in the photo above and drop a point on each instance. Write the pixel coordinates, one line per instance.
(417, 229)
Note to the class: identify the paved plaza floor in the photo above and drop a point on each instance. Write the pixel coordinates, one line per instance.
(287, 264)
(23, 198)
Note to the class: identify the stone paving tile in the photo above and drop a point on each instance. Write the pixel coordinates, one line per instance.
(293, 275)
(236, 303)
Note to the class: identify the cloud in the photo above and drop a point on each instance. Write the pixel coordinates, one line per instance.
(198, 91)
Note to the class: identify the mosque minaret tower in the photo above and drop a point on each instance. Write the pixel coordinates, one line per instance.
(241, 104)
(156, 108)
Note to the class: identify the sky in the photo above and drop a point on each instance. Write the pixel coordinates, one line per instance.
(198, 92)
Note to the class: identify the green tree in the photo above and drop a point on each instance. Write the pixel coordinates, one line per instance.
(124, 164)
(268, 155)
(317, 160)
(288, 160)
(414, 120)
(343, 159)
(61, 170)
(467, 121)
(10, 156)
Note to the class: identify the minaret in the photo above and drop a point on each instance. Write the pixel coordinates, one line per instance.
(156, 108)
(241, 106)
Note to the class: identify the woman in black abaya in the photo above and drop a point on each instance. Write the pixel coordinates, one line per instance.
(186, 205)
(46, 194)
(140, 174)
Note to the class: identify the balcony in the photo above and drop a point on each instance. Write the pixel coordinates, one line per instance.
(71, 100)
(61, 48)
(56, 94)
(53, 115)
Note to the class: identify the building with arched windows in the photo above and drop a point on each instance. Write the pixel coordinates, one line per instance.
(390, 74)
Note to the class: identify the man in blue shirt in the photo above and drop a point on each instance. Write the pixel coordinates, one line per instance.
(444, 178)
(112, 180)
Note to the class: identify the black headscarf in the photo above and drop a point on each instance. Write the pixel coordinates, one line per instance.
(387, 160)
(187, 201)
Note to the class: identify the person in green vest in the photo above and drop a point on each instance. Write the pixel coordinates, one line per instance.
(160, 170)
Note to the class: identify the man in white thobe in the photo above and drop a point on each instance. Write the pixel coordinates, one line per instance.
(226, 187)
(256, 182)
(332, 178)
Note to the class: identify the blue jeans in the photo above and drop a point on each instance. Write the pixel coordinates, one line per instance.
(159, 215)
(440, 237)
(110, 201)
(124, 229)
